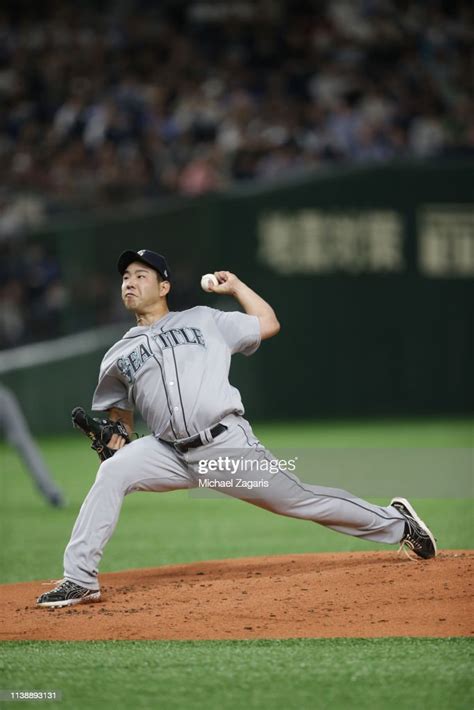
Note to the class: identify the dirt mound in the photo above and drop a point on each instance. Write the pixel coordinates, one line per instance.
(308, 596)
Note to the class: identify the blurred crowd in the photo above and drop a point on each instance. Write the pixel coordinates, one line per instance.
(32, 294)
(110, 101)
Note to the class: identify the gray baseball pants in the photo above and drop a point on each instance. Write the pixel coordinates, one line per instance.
(149, 464)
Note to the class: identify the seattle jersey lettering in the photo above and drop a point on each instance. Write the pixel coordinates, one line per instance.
(179, 336)
(130, 364)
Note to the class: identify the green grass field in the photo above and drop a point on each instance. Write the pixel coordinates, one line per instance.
(177, 527)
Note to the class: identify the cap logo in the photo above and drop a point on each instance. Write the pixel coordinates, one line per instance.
(141, 252)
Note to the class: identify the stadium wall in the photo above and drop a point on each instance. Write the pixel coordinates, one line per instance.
(371, 272)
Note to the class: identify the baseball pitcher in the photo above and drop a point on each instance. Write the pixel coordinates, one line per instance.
(173, 368)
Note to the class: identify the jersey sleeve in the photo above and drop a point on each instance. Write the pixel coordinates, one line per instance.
(110, 391)
(240, 331)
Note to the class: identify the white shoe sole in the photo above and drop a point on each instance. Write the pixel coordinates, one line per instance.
(420, 522)
(71, 602)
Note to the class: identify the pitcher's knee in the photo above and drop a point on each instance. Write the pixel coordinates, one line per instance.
(111, 473)
(106, 468)
(115, 473)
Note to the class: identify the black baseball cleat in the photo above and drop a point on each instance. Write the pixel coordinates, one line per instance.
(417, 536)
(66, 594)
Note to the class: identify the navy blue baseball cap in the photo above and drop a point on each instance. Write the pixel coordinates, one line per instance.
(150, 258)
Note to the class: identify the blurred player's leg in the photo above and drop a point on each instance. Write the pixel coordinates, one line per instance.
(17, 433)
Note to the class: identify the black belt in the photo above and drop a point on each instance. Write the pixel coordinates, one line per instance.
(195, 442)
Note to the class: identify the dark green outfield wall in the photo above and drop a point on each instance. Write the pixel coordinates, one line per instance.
(371, 273)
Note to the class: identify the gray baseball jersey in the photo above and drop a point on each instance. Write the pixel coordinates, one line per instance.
(175, 372)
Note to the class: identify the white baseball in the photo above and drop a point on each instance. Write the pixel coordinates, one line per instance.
(206, 280)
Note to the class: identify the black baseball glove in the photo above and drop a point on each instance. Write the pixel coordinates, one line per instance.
(99, 431)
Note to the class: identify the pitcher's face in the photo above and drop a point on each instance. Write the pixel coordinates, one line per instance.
(141, 287)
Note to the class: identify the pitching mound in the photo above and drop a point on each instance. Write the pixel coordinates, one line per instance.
(329, 595)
